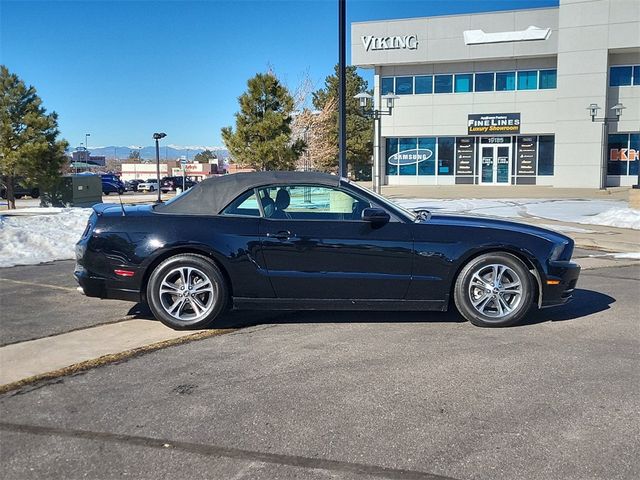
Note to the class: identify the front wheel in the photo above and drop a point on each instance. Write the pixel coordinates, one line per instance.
(187, 291)
(494, 290)
(151, 189)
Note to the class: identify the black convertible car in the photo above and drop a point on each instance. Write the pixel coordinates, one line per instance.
(292, 240)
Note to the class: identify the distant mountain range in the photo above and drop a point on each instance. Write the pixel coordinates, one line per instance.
(169, 152)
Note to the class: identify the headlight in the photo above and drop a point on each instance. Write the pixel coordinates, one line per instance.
(557, 251)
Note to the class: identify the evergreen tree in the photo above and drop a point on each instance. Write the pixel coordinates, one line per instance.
(262, 138)
(28, 145)
(359, 127)
(205, 156)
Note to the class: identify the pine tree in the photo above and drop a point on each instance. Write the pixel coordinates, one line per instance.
(262, 138)
(205, 156)
(28, 145)
(359, 127)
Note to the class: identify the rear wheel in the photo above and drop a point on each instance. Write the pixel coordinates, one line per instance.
(494, 290)
(35, 193)
(151, 189)
(187, 291)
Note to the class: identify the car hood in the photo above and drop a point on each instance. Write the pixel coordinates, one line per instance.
(495, 224)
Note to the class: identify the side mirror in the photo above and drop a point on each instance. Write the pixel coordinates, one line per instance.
(376, 216)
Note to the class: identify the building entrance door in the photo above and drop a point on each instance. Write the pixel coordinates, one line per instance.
(495, 164)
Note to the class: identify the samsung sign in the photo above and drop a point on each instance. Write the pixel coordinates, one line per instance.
(410, 157)
(398, 42)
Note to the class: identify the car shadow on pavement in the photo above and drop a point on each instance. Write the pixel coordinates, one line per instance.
(585, 302)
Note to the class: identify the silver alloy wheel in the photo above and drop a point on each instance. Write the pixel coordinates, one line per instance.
(187, 294)
(495, 291)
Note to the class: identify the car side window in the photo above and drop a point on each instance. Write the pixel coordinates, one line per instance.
(245, 205)
(310, 202)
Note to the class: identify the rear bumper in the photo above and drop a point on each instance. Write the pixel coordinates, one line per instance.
(560, 283)
(94, 286)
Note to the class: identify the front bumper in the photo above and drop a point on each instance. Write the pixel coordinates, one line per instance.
(560, 283)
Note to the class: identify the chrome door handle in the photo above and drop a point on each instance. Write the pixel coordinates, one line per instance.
(281, 235)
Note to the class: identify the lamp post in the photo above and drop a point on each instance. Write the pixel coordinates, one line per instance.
(342, 88)
(370, 111)
(86, 146)
(157, 137)
(593, 112)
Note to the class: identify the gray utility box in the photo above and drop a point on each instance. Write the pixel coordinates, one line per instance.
(73, 191)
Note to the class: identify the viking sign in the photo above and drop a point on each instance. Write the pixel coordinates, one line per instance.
(398, 42)
(410, 157)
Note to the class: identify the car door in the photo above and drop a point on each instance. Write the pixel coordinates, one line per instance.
(315, 246)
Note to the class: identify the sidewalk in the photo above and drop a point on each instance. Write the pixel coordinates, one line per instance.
(51, 356)
(480, 191)
(598, 237)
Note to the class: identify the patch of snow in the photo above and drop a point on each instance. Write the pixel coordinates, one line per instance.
(634, 255)
(612, 213)
(616, 217)
(32, 239)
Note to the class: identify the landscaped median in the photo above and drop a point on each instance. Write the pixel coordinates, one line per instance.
(51, 357)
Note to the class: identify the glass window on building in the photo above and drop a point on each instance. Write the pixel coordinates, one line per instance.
(484, 82)
(404, 85)
(427, 162)
(424, 84)
(620, 76)
(528, 80)
(391, 150)
(407, 166)
(464, 82)
(445, 155)
(618, 161)
(634, 153)
(546, 149)
(386, 85)
(548, 79)
(505, 81)
(444, 84)
(636, 75)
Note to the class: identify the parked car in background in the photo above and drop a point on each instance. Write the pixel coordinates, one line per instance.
(132, 185)
(149, 185)
(170, 184)
(303, 240)
(111, 184)
(20, 190)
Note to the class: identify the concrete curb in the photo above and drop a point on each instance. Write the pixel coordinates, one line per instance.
(48, 358)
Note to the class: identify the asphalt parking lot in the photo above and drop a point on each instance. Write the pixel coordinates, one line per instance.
(335, 394)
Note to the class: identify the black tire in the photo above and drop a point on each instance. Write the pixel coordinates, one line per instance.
(481, 296)
(186, 316)
(106, 193)
(35, 193)
(18, 196)
(151, 189)
(121, 191)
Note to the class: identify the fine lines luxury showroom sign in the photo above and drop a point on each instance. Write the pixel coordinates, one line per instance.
(493, 123)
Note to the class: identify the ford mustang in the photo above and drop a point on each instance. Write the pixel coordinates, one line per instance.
(301, 240)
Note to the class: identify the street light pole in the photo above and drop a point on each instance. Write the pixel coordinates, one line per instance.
(157, 137)
(86, 146)
(342, 87)
(593, 111)
(376, 113)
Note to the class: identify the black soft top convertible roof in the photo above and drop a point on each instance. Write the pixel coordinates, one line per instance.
(212, 195)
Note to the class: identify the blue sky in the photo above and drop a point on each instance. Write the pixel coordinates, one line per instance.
(122, 70)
